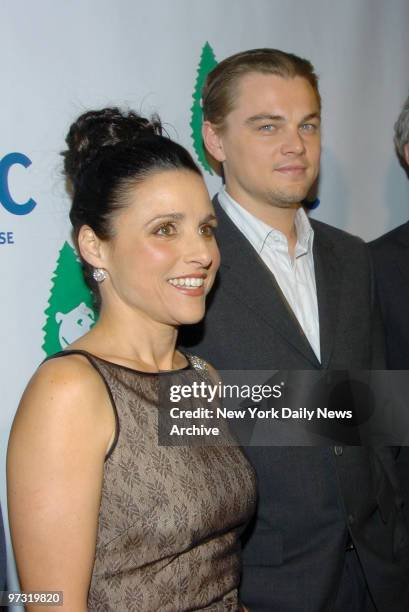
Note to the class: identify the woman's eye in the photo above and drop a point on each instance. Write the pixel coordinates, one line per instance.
(166, 229)
(207, 230)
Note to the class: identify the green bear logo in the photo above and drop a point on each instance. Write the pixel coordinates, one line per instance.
(70, 311)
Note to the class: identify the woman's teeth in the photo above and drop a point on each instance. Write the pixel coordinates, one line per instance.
(186, 282)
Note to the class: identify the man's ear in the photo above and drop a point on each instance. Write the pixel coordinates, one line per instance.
(91, 247)
(406, 153)
(213, 141)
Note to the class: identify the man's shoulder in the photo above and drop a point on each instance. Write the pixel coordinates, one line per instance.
(388, 241)
(336, 236)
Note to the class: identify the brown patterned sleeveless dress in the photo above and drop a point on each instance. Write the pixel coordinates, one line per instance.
(170, 517)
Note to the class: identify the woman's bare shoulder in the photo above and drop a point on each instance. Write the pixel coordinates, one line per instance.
(64, 375)
(63, 389)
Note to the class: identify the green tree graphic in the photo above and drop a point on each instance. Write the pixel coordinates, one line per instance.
(68, 292)
(206, 64)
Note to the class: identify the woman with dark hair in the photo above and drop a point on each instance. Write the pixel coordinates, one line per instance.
(98, 509)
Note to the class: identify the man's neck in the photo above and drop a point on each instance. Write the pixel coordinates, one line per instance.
(281, 219)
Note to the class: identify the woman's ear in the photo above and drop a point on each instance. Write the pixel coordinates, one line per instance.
(90, 247)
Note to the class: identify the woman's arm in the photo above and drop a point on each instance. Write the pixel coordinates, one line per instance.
(62, 430)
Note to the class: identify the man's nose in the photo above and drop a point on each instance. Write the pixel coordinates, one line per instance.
(293, 142)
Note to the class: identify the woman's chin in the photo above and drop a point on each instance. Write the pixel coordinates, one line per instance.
(190, 318)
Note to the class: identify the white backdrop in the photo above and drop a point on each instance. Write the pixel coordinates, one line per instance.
(59, 58)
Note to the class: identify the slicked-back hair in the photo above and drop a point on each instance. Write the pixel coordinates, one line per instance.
(220, 89)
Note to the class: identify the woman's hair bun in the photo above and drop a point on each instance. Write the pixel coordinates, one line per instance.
(96, 129)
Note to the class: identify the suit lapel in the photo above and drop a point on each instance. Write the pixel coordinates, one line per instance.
(328, 279)
(244, 275)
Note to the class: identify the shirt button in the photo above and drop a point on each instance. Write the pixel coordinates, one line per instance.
(338, 450)
(351, 519)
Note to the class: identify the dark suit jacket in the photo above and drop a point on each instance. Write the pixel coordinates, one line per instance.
(391, 258)
(308, 497)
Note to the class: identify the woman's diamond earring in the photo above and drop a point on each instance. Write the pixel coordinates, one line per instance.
(99, 274)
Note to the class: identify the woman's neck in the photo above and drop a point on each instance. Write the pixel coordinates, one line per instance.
(136, 341)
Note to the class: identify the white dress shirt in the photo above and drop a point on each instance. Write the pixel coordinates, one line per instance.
(295, 277)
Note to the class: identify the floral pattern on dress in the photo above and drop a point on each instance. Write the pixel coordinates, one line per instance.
(170, 517)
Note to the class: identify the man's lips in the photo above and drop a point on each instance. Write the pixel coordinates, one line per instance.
(293, 170)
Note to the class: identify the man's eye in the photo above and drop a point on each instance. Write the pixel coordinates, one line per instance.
(166, 229)
(269, 127)
(207, 230)
(309, 127)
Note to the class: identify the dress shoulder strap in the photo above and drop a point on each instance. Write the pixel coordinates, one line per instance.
(96, 362)
(89, 356)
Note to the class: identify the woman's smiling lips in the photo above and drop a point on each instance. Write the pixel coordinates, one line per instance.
(189, 284)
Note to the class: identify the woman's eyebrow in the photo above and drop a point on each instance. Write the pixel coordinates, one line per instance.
(173, 216)
(208, 218)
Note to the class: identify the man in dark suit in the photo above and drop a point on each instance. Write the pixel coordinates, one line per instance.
(296, 294)
(391, 257)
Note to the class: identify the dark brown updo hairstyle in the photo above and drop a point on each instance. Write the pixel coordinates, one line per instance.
(109, 152)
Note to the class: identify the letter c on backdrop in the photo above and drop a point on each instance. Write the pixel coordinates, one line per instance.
(6, 199)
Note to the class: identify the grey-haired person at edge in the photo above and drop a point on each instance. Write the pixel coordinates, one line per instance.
(98, 508)
(296, 294)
